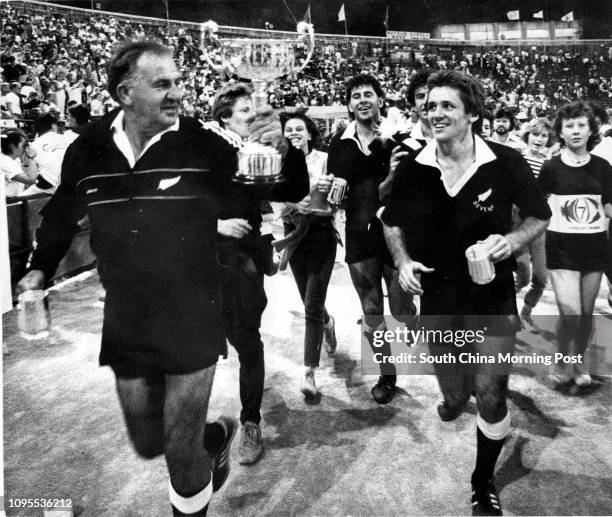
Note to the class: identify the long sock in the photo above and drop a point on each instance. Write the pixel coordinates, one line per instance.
(488, 448)
(193, 504)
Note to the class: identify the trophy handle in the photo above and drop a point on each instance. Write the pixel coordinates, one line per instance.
(311, 39)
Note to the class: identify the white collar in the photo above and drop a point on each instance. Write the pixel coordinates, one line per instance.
(483, 154)
(230, 136)
(123, 142)
(417, 132)
(350, 133)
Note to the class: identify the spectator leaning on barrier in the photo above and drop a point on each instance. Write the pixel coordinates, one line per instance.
(50, 147)
(14, 148)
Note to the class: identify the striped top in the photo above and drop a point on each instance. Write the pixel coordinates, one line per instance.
(535, 164)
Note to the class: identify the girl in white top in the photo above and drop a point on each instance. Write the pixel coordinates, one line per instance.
(15, 149)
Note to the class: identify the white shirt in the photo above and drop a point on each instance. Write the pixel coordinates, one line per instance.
(10, 168)
(123, 142)
(50, 150)
(13, 103)
(6, 302)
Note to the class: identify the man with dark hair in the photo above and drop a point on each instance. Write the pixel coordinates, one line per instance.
(503, 127)
(418, 136)
(417, 97)
(359, 156)
(457, 191)
(78, 118)
(150, 183)
(50, 147)
(243, 252)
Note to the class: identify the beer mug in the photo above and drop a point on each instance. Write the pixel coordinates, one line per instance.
(337, 191)
(480, 264)
(32, 316)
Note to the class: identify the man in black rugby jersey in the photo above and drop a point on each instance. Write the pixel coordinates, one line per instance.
(360, 157)
(457, 191)
(149, 182)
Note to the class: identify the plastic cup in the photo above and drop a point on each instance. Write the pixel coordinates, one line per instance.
(480, 264)
(32, 316)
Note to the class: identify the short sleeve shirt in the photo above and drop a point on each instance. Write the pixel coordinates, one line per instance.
(576, 236)
(440, 223)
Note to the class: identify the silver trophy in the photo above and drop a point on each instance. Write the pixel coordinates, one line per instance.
(262, 61)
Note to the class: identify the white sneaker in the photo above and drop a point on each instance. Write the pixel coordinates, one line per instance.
(581, 377)
(308, 388)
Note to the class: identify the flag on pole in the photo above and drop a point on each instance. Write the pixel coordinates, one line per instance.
(387, 19)
(513, 15)
(539, 14)
(569, 17)
(341, 15)
(307, 17)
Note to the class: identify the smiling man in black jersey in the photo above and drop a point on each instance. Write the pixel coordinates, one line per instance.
(457, 191)
(359, 156)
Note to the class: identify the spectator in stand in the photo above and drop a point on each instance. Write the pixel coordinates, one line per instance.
(486, 131)
(78, 120)
(50, 149)
(97, 105)
(13, 100)
(15, 147)
(503, 127)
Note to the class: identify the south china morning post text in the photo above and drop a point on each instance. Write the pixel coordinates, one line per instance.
(427, 342)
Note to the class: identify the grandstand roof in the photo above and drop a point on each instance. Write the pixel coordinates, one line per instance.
(363, 16)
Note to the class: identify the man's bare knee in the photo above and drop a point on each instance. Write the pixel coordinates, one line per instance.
(491, 397)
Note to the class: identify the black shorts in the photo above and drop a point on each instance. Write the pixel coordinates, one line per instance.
(153, 330)
(493, 303)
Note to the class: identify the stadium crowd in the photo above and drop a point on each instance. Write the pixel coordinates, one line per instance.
(54, 73)
(52, 60)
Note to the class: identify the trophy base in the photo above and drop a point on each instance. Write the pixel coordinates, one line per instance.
(320, 211)
(258, 180)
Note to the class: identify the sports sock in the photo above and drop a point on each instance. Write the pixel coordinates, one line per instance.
(490, 439)
(195, 504)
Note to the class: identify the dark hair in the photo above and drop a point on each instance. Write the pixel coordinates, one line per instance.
(362, 80)
(80, 114)
(44, 123)
(311, 127)
(504, 113)
(577, 109)
(536, 126)
(600, 112)
(470, 91)
(486, 114)
(223, 104)
(418, 81)
(124, 62)
(11, 139)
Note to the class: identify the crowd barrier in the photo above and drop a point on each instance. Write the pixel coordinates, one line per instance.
(23, 219)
